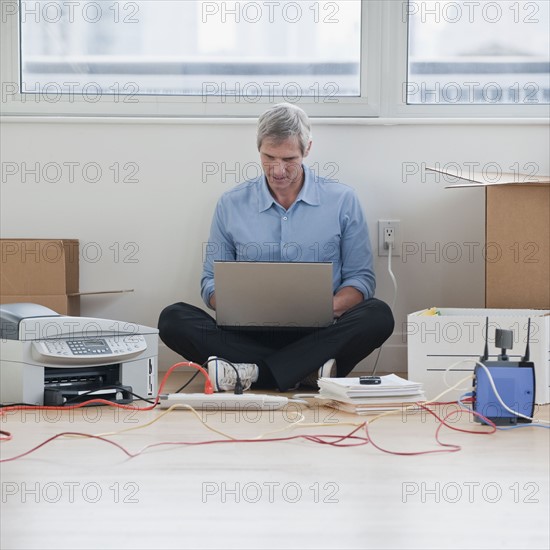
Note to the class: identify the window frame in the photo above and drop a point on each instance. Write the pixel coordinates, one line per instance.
(397, 107)
(384, 66)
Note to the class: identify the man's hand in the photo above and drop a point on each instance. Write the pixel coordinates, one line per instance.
(345, 299)
(213, 301)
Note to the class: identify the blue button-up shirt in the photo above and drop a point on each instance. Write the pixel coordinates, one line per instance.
(325, 224)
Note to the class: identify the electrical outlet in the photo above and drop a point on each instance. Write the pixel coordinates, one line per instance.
(386, 230)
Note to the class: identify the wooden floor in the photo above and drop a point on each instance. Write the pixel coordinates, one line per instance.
(82, 493)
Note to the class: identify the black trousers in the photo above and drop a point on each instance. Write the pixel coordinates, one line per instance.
(288, 354)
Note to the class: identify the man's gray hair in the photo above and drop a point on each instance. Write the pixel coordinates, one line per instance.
(283, 121)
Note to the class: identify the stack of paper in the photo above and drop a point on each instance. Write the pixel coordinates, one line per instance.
(348, 394)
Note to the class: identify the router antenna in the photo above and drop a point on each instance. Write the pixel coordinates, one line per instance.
(485, 356)
(526, 356)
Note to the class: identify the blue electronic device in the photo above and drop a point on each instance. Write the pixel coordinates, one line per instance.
(513, 380)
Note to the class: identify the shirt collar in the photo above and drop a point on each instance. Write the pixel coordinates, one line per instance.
(308, 194)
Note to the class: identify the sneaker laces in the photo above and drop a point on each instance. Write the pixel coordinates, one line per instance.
(229, 376)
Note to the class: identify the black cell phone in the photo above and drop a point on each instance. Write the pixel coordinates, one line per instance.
(370, 380)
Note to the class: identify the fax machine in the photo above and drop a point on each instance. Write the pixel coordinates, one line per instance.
(52, 359)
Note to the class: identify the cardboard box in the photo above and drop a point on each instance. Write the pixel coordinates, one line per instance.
(42, 271)
(434, 343)
(517, 238)
(518, 223)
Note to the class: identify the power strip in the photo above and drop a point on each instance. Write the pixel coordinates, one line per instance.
(224, 401)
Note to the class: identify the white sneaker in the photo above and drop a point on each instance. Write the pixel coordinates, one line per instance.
(328, 370)
(223, 375)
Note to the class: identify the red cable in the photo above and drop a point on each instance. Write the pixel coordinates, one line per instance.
(50, 439)
(7, 436)
(333, 440)
(315, 439)
(208, 389)
(453, 448)
(330, 439)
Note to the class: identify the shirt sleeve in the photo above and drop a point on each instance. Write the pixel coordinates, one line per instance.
(356, 251)
(220, 246)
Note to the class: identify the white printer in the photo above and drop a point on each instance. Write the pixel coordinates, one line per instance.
(52, 359)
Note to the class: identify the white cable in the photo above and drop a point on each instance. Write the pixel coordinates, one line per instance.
(446, 371)
(491, 381)
(394, 280)
(390, 247)
(299, 401)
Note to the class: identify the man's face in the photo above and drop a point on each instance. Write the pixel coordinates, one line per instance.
(282, 164)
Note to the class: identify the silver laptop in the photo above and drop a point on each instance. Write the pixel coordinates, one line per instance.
(283, 294)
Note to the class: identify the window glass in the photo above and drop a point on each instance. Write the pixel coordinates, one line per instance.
(484, 52)
(197, 48)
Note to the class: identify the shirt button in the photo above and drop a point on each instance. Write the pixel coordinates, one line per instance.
(285, 218)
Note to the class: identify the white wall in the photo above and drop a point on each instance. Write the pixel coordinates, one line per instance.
(167, 212)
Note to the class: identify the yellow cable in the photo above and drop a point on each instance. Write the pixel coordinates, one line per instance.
(436, 398)
(299, 422)
(170, 409)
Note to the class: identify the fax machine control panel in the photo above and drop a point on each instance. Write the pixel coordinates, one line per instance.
(98, 349)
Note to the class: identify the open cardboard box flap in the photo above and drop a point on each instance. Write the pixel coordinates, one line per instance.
(93, 293)
(482, 179)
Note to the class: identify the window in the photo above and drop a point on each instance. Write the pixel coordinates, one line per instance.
(244, 48)
(465, 52)
(336, 58)
(191, 57)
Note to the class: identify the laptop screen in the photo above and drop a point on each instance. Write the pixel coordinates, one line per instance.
(284, 294)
